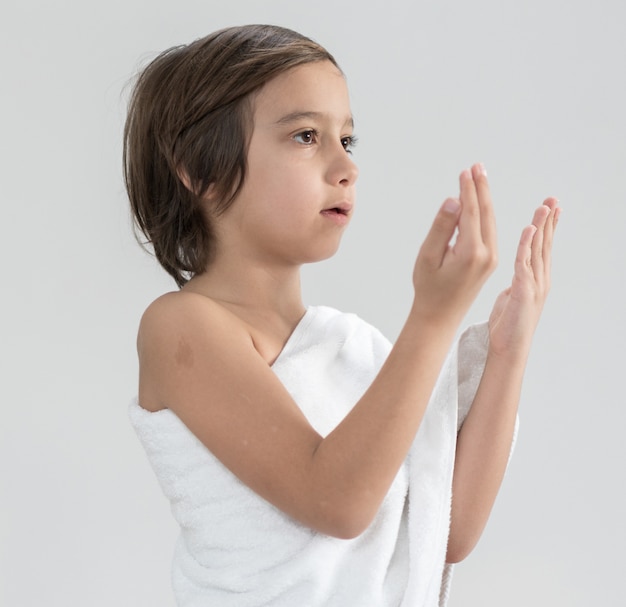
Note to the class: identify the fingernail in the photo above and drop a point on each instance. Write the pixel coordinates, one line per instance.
(482, 169)
(451, 206)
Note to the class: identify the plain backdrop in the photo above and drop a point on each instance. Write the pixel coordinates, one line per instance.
(534, 89)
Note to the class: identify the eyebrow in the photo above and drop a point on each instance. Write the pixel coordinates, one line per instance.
(297, 116)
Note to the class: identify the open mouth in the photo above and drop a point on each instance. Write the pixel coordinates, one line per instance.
(340, 209)
(337, 214)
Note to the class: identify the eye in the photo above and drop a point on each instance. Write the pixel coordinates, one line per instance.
(306, 137)
(349, 143)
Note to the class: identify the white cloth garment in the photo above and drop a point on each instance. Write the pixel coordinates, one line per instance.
(237, 550)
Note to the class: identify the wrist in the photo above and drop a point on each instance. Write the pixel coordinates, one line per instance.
(510, 358)
(440, 319)
(428, 333)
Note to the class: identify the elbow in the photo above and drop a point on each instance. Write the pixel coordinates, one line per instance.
(345, 532)
(466, 527)
(349, 530)
(456, 556)
(345, 528)
(344, 523)
(459, 549)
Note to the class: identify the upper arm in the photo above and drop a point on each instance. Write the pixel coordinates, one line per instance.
(198, 360)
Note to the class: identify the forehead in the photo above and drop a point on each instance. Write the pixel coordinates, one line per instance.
(310, 88)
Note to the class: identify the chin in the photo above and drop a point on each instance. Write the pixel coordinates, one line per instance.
(323, 254)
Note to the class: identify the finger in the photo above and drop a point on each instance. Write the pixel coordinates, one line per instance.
(485, 205)
(548, 235)
(548, 231)
(553, 205)
(539, 221)
(523, 256)
(469, 220)
(438, 238)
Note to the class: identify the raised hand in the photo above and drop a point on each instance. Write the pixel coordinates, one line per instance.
(517, 310)
(448, 276)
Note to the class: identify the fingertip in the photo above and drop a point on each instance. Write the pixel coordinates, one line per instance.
(478, 170)
(528, 234)
(451, 206)
(466, 174)
(552, 204)
(541, 214)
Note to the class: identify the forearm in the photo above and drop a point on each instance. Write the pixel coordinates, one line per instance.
(358, 461)
(483, 448)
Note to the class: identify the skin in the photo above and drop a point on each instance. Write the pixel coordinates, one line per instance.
(194, 344)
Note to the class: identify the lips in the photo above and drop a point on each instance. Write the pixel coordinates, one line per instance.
(343, 208)
(339, 213)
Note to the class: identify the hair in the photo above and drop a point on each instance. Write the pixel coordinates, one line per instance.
(189, 123)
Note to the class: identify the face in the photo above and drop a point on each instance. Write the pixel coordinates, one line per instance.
(298, 194)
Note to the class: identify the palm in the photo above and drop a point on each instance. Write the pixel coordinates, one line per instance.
(517, 309)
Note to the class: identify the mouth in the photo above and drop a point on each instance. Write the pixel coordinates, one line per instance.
(339, 214)
(341, 209)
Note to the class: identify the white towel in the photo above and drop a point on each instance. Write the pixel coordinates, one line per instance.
(235, 549)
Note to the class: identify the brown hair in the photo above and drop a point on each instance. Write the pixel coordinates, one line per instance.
(190, 118)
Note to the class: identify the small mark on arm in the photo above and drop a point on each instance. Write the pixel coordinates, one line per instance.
(184, 354)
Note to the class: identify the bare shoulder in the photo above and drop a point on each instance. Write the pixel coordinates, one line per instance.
(182, 310)
(178, 332)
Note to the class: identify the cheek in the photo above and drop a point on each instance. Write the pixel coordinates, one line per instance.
(289, 190)
(280, 189)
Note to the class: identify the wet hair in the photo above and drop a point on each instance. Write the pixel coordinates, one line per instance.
(188, 127)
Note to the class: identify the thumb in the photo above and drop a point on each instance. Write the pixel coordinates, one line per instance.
(438, 238)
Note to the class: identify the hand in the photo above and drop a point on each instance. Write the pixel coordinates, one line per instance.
(517, 310)
(447, 277)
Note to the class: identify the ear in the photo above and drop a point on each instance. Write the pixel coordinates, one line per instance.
(209, 194)
(183, 175)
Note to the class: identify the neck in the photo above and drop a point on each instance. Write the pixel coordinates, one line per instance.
(249, 287)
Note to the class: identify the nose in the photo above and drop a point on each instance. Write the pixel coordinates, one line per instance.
(342, 169)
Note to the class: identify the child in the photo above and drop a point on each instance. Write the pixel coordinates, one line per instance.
(307, 461)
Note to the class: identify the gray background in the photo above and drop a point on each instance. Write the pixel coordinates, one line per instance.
(535, 89)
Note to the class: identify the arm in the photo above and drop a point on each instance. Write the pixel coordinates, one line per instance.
(198, 359)
(484, 441)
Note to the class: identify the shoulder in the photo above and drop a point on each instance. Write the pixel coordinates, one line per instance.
(182, 312)
(176, 331)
